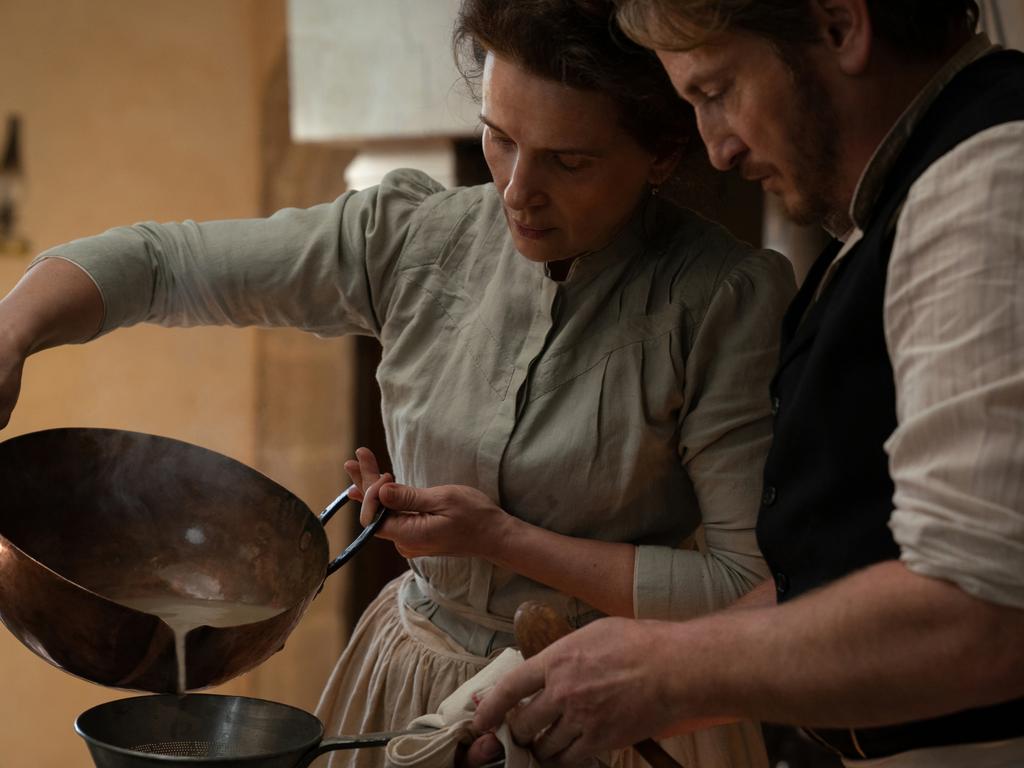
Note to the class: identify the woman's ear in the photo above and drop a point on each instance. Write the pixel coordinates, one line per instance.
(665, 162)
(846, 32)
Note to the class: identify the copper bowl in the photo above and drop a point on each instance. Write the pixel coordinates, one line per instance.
(91, 514)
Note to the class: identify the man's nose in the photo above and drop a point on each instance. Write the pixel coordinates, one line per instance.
(524, 186)
(724, 147)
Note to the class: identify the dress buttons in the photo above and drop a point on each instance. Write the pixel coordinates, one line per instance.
(775, 405)
(768, 496)
(781, 583)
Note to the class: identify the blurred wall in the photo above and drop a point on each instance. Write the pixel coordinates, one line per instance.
(155, 110)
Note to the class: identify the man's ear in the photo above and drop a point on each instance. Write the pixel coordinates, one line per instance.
(846, 31)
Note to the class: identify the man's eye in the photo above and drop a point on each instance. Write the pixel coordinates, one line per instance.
(571, 162)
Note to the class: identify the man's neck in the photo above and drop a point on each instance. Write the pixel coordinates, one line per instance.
(878, 100)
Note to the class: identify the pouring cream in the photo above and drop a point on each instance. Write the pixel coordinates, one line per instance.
(183, 614)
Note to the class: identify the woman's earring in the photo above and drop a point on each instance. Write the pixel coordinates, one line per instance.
(654, 190)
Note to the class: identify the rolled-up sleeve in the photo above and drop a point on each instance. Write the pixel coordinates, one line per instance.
(325, 269)
(724, 435)
(954, 317)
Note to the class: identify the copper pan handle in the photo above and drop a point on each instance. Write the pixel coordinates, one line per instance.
(364, 535)
(537, 625)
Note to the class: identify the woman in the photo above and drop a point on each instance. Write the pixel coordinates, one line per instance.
(588, 358)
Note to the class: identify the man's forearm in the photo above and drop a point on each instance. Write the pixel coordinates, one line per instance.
(761, 596)
(881, 646)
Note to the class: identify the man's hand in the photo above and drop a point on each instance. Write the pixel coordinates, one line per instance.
(444, 520)
(485, 749)
(597, 689)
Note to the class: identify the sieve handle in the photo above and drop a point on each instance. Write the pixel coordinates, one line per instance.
(335, 743)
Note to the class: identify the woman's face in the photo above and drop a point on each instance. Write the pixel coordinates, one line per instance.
(568, 173)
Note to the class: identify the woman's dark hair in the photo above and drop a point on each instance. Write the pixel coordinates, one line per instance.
(577, 43)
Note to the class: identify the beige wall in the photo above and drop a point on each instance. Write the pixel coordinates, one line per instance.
(146, 110)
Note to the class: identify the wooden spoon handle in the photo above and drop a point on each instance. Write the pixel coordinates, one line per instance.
(537, 625)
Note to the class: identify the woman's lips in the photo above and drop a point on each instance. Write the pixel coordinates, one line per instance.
(532, 233)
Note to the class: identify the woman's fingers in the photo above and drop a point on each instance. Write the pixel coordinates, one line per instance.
(363, 471)
(368, 467)
(371, 505)
(352, 468)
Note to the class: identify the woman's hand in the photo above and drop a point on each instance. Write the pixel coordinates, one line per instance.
(444, 520)
(12, 363)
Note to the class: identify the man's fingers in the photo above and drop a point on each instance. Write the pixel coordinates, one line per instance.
(521, 682)
(579, 753)
(533, 718)
(555, 740)
(486, 749)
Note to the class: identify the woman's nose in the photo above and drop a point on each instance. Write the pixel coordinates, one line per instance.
(523, 189)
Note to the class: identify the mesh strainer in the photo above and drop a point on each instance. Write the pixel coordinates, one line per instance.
(209, 731)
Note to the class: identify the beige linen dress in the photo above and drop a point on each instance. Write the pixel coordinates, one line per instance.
(626, 403)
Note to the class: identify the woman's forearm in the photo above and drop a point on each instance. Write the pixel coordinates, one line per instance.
(55, 303)
(598, 572)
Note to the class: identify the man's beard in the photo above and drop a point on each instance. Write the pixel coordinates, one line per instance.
(815, 159)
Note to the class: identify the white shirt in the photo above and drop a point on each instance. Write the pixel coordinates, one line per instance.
(954, 327)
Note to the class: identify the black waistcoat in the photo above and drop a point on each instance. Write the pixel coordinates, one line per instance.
(827, 489)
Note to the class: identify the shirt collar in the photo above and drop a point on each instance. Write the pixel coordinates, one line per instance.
(624, 246)
(869, 187)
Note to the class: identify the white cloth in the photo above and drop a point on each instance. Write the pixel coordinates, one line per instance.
(450, 725)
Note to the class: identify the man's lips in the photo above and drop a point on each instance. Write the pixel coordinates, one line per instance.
(757, 175)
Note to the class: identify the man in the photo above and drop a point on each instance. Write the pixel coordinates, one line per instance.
(893, 507)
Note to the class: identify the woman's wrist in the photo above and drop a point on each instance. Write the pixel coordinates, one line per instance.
(17, 337)
(499, 544)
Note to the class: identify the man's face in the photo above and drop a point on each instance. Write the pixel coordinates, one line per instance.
(770, 117)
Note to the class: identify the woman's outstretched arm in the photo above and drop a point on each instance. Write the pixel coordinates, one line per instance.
(55, 303)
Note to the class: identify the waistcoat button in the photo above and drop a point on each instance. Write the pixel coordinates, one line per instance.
(775, 405)
(781, 583)
(769, 496)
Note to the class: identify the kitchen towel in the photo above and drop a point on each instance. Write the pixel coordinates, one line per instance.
(450, 725)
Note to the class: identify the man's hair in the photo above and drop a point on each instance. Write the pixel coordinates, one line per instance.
(916, 27)
(577, 43)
